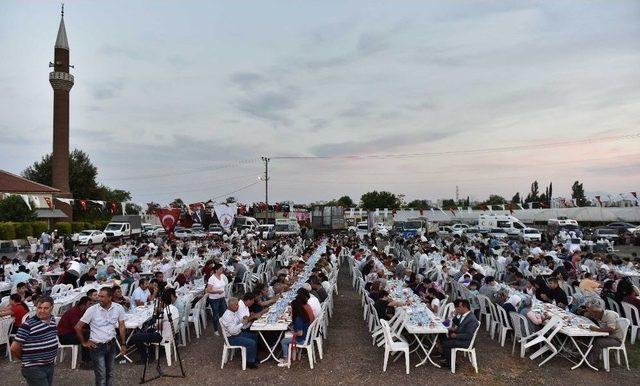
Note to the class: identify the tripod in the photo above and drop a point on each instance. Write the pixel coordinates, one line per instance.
(160, 310)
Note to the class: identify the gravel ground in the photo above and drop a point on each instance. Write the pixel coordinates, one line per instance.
(349, 359)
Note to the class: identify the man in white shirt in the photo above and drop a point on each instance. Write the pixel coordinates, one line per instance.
(243, 310)
(313, 301)
(102, 319)
(231, 324)
(141, 295)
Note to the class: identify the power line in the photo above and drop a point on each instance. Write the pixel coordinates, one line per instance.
(469, 151)
(190, 171)
(237, 190)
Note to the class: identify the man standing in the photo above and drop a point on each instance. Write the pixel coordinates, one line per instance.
(461, 333)
(36, 344)
(231, 322)
(102, 319)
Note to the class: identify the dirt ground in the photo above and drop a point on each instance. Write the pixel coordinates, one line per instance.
(350, 358)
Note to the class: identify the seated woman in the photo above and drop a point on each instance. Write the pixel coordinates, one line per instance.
(434, 299)
(385, 306)
(301, 323)
(18, 309)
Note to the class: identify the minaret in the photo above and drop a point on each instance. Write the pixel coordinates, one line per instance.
(61, 81)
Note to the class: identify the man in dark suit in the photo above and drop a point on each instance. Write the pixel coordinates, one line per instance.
(461, 332)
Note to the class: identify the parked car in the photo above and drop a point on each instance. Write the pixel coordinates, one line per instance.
(530, 234)
(91, 236)
(183, 233)
(498, 233)
(444, 230)
(215, 230)
(154, 231)
(622, 227)
(266, 231)
(605, 233)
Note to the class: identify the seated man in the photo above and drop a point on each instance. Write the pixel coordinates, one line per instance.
(232, 323)
(556, 294)
(67, 323)
(607, 321)
(141, 295)
(462, 330)
(88, 277)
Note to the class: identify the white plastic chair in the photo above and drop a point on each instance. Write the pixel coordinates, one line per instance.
(391, 346)
(504, 326)
(622, 324)
(631, 313)
(469, 350)
(74, 353)
(228, 350)
(520, 330)
(545, 338)
(614, 306)
(306, 345)
(485, 310)
(194, 317)
(445, 311)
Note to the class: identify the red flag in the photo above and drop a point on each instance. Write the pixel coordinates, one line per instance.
(168, 218)
(599, 200)
(452, 212)
(84, 204)
(114, 207)
(543, 204)
(564, 203)
(511, 208)
(635, 195)
(285, 214)
(48, 201)
(421, 211)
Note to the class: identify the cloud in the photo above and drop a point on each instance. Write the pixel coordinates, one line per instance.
(247, 80)
(271, 106)
(382, 144)
(107, 89)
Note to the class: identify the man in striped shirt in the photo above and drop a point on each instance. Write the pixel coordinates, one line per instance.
(36, 344)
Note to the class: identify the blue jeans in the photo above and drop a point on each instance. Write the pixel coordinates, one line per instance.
(248, 340)
(38, 375)
(103, 358)
(218, 307)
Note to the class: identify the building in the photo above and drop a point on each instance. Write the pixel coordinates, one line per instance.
(61, 81)
(39, 195)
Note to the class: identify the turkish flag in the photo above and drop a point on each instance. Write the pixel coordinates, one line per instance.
(168, 218)
(285, 214)
(48, 201)
(84, 204)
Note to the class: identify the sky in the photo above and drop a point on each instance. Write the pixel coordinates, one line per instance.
(182, 98)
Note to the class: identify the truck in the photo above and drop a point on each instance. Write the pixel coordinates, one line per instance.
(287, 227)
(246, 222)
(327, 218)
(557, 225)
(511, 225)
(125, 226)
(418, 227)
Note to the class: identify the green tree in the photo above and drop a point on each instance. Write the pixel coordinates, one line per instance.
(177, 203)
(495, 199)
(418, 204)
(345, 201)
(152, 207)
(577, 193)
(516, 198)
(13, 208)
(533, 195)
(383, 199)
(82, 174)
(449, 204)
(230, 200)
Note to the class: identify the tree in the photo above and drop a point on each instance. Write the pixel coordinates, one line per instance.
(152, 207)
(345, 201)
(449, 204)
(418, 204)
(494, 199)
(230, 200)
(82, 174)
(375, 199)
(533, 196)
(13, 208)
(177, 203)
(577, 193)
(516, 198)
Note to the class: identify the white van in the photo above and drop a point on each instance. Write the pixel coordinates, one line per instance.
(510, 224)
(244, 222)
(287, 227)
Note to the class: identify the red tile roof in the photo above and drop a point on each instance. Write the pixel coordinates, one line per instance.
(11, 183)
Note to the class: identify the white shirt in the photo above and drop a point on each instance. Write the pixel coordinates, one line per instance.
(167, 333)
(140, 294)
(217, 284)
(103, 322)
(231, 323)
(243, 311)
(315, 305)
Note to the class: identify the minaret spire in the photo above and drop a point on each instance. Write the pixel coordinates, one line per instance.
(61, 39)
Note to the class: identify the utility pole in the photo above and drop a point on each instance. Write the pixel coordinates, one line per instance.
(266, 181)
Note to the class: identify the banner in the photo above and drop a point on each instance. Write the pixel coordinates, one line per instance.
(302, 216)
(26, 200)
(226, 214)
(168, 218)
(36, 200)
(371, 220)
(67, 201)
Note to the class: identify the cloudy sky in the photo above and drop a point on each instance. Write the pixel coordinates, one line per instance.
(181, 99)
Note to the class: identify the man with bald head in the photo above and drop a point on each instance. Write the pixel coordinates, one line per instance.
(607, 321)
(231, 323)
